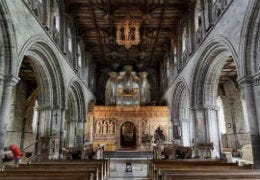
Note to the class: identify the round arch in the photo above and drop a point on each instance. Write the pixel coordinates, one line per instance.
(75, 113)
(205, 89)
(215, 54)
(249, 42)
(250, 81)
(76, 89)
(181, 115)
(8, 51)
(47, 67)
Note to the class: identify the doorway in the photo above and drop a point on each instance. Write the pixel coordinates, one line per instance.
(128, 135)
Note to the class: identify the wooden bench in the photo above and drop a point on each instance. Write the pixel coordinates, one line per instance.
(84, 175)
(164, 169)
(234, 175)
(69, 169)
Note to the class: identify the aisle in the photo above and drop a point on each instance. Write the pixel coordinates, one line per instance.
(138, 165)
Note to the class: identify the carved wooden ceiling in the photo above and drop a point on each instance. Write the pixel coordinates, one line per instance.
(96, 22)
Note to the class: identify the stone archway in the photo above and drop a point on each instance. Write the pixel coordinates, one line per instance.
(7, 68)
(250, 81)
(75, 117)
(183, 125)
(128, 135)
(205, 90)
(40, 57)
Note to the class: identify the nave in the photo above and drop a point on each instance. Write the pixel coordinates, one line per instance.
(123, 89)
(130, 166)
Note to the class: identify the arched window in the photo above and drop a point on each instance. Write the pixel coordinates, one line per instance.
(184, 39)
(69, 39)
(56, 16)
(197, 15)
(79, 57)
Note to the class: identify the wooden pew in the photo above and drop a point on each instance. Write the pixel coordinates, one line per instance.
(158, 168)
(81, 175)
(212, 175)
(82, 169)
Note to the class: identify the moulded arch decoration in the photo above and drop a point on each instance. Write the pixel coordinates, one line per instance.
(216, 49)
(75, 90)
(8, 51)
(250, 40)
(179, 89)
(46, 65)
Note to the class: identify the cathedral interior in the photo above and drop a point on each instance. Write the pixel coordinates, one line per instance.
(166, 81)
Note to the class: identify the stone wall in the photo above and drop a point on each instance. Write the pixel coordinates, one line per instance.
(236, 126)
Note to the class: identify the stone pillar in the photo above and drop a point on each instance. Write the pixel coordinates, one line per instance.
(200, 125)
(62, 133)
(213, 130)
(38, 131)
(1, 89)
(84, 131)
(250, 113)
(49, 147)
(79, 138)
(7, 88)
(71, 134)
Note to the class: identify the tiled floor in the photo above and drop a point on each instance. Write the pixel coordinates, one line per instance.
(118, 169)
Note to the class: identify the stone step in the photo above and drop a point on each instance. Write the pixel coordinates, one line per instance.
(128, 154)
(130, 178)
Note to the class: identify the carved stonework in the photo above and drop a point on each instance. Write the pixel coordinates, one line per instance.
(108, 121)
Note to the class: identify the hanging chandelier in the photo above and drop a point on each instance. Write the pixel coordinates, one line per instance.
(128, 33)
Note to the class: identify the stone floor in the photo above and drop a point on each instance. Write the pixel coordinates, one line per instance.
(118, 168)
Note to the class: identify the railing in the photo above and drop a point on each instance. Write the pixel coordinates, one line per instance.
(29, 160)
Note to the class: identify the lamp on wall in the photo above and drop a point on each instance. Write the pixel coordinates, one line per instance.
(128, 32)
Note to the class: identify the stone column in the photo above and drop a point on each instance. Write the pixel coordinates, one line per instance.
(84, 130)
(38, 130)
(62, 137)
(250, 113)
(1, 89)
(49, 132)
(213, 130)
(79, 133)
(200, 127)
(8, 84)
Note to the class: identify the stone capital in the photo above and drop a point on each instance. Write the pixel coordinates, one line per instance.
(11, 80)
(245, 81)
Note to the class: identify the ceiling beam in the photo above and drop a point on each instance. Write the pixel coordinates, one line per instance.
(159, 28)
(94, 20)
